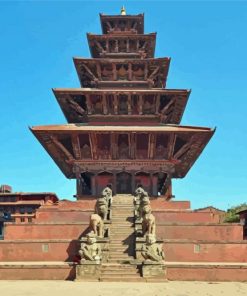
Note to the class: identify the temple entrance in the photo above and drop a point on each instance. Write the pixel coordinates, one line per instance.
(143, 179)
(103, 179)
(85, 183)
(124, 183)
(160, 181)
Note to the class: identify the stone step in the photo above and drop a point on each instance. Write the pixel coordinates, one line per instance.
(124, 256)
(122, 273)
(121, 251)
(134, 278)
(122, 231)
(118, 260)
(122, 236)
(120, 226)
(119, 241)
(118, 267)
(122, 215)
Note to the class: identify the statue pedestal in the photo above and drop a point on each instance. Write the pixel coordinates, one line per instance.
(88, 270)
(153, 269)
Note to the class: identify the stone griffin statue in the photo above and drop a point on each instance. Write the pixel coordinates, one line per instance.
(141, 199)
(101, 207)
(151, 251)
(107, 194)
(148, 222)
(90, 250)
(97, 225)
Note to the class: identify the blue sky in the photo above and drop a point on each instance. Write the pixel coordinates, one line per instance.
(207, 44)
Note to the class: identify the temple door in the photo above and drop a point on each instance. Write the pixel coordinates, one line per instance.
(124, 183)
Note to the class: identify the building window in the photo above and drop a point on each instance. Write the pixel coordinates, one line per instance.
(22, 210)
(29, 210)
(29, 220)
(22, 219)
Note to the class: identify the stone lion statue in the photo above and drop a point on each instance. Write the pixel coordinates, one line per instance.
(97, 225)
(101, 207)
(148, 223)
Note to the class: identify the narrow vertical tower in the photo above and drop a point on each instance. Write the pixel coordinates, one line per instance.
(123, 122)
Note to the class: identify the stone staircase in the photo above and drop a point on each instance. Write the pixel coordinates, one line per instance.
(120, 264)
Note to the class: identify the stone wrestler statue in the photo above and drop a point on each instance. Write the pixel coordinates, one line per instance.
(151, 251)
(90, 250)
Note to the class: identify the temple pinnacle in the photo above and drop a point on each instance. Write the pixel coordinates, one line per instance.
(123, 11)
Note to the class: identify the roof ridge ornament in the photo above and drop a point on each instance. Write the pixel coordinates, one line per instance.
(123, 11)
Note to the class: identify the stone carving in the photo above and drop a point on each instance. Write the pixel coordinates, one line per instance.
(90, 250)
(107, 194)
(97, 225)
(101, 207)
(151, 251)
(144, 204)
(148, 222)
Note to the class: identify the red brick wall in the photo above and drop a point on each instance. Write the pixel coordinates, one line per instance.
(206, 274)
(209, 252)
(37, 273)
(161, 204)
(64, 250)
(185, 216)
(44, 231)
(200, 232)
(63, 216)
(46, 250)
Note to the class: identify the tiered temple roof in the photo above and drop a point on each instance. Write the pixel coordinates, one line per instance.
(123, 122)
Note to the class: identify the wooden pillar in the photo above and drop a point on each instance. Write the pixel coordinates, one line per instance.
(93, 184)
(107, 45)
(146, 71)
(116, 46)
(76, 146)
(171, 145)
(128, 45)
(114, 71)
(157, 103)
(137, 44)
(89, 104)
(151, 149)
(132, 182)
(114, 185)
(115, 103)
(114, 145)
(151, 184)
(93, 145)
(133, 146)
(129, 103)
(140, 101)
(105, 111)
(129, 143)
(98, 70)
(130, 71)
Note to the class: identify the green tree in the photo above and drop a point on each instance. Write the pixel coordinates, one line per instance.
(231, 214)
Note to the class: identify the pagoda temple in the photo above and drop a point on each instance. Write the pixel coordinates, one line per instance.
(123, 129)
(123, 124)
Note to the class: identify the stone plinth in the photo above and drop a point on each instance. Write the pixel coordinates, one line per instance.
(153, 269)
(88, 270)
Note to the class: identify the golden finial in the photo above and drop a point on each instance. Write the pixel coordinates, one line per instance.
(123, 11)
